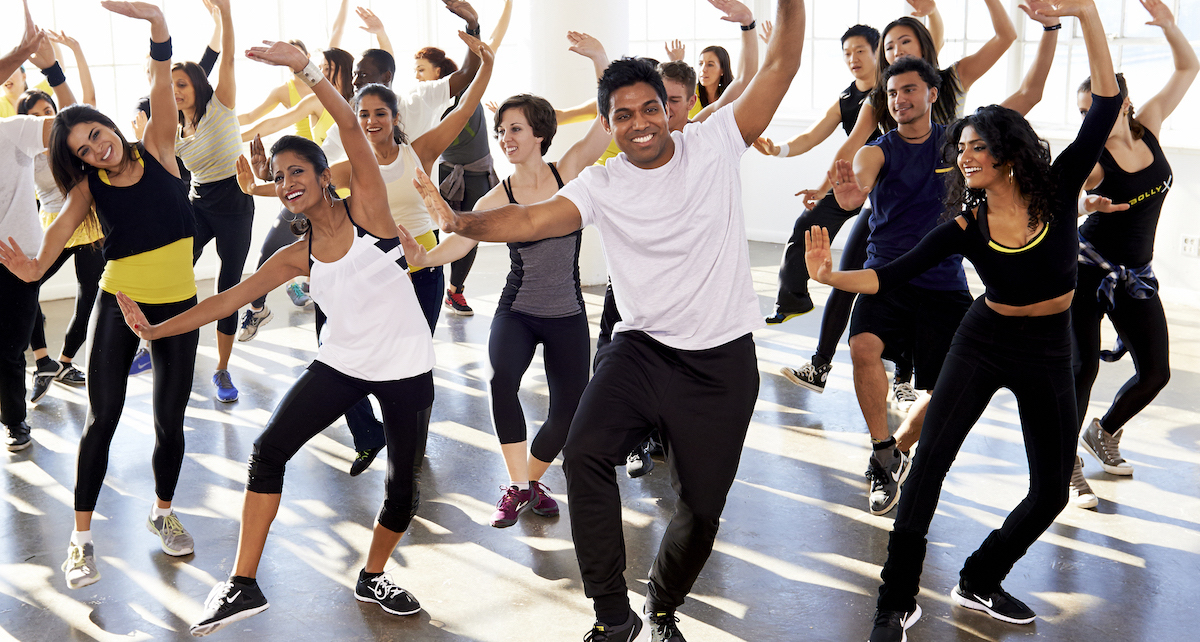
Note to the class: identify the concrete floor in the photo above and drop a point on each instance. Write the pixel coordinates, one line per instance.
(797, 558)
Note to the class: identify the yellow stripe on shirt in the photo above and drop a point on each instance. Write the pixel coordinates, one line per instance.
(162, 275)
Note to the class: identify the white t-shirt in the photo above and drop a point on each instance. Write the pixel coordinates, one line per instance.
(674, 238)
(420, 110)
(20, 142)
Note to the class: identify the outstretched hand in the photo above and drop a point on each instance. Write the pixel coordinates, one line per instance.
(136, 10)
(258, 159)
(1045, 21)
(245, 177)
(922, 8)
(676, 50)
(414, 252)
(43, 57)
(846, 189)
(764, 31)
(492, 106)
(766, 146)
(463, 10)
(134, 317)
(438, 208)
(1059, 8)
(734, 11)
(1102, 204)
(1160, 13)
(478, 47)
(61, 38)
(810, 197)
(371, 22)
(14, 258)
(279, 54)
(586, 46)
(817, 256)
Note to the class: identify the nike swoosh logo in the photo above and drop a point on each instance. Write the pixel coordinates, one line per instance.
(987, 603)
(896, 476)
(233, 597)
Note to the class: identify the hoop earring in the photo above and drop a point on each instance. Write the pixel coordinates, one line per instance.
(1010, 176)
(328, 198)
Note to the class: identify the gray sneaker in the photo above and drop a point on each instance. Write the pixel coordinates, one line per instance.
(252, 321)
(904, 395)
(886, 471)
(80, 567)
(1081, 493)
(174, 537)
(1105, 448)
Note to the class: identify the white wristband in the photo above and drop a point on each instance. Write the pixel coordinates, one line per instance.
(311, 74)
(783, 150)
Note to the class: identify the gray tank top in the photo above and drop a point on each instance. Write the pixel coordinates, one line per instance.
(472, 142)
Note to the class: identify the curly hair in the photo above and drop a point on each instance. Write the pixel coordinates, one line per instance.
(1010, 140)
(438, 59)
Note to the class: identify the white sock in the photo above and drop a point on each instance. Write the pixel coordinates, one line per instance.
(521, 485)
(79, 538)
(157, 512)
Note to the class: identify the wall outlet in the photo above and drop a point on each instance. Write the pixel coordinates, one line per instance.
(1190, 246)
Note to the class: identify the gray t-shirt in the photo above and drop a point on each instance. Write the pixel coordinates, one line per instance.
(20, 142)
(674, 238)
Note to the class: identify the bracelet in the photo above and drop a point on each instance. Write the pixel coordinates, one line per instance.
(54, 75)
(474, 32)
(160, 51)
(1053, 27)
(750, 27)
(783, 150)
(311, 74)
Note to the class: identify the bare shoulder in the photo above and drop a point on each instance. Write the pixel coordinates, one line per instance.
(496, 197)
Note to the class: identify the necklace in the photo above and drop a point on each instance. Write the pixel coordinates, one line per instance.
(914, 137)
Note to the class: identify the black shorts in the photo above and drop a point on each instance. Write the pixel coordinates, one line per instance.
(913, 321)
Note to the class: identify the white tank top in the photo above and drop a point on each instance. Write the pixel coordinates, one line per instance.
(375, 329)
(403, 199)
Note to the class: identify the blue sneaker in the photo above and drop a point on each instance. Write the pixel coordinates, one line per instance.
(141, 362)
(226, 393)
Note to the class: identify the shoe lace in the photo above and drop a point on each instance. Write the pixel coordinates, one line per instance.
(664, 625)
(384, 588)
(905, 392)
(1111, 447)
(171, 526)
(223, 379)
(248, 320)
(75, 558)
(876, 475)
(510, 499)
(458, 298)
(220, 594)
(597, 634)
(1078, 481)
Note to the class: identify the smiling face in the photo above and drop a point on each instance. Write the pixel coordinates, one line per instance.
(859, 58)
(185, 93)
(15, 85)
(679, 103)
(424, 70)
(376, 119)
(975, 161)
(709, 69)
(900, 41)
(909, 97)
(297, 183)
(516, 136)
(637, 120)
(96, 145)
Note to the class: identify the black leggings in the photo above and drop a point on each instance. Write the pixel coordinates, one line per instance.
(111, 351)
(89, 265)
(278, 237)
(475, 186)
(16, 324)
(1142, 326)
(229, 220)
(319, 397)
(793, 273)
(1031, 356)
(566, 348)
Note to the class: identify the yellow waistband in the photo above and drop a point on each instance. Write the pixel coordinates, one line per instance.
(428, 241)
(162, 275)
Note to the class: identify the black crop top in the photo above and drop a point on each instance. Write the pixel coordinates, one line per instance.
(152, 213)
(1045, 267)
(1127, 238)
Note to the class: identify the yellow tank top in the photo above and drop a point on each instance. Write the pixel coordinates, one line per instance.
(162, 275)
(88, 231)
(321, 129)
(303, 129)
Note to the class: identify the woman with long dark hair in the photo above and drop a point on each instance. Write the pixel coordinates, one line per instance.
(135, 191)
(1015, 219)
(376, 342)
(1117, 247)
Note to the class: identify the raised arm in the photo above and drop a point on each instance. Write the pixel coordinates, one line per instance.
(374, 26)
(369, 205)
(31, 39)
(1034, 84)
(226, 88)
(214, 43)
(432, 143)
(460, 79)
(501, 27)
(935, 24)
(308, 106)
(748, 63)
(159, 137)
(338, 26)
(589, 148)
(45, 60)
(754, 110)
(276, 97)
(87, 88)
(800, 143)
(510, 223)
(1155, 111)
(974, 66)
(676, 50)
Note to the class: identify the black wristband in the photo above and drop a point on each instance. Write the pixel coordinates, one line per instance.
(474, 32)
(161, 51)
(54, 75)
(749, 27)
(1053, 27)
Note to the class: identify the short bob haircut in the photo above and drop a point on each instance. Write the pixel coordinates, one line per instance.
(538, 112)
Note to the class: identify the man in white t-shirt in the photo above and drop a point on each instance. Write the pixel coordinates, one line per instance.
(669, 210)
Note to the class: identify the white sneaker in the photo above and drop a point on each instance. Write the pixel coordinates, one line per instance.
(1081, 493)
(80, 567)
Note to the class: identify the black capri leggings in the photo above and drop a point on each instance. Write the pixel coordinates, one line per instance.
(224, 213)
(1142, 326)
(1031, 356)
(793, 273)
(566, 347)
(316, 400)
(278, 237)
(89, 264)
(110, 354)
(476, 184)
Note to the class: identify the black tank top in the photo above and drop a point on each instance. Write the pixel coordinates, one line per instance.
(544, 278)
(152, 213)
(850, 103)
(1127, 238)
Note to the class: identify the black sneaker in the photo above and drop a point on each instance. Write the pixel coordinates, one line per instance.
(803, 307)
(42, 378)
(363, 461)
(457, 303)
(70, 375)
(808, 376)
(227, 603)
(663, 629)
(638, 462)
(886, 472)
(890, 626)
(388, 596)
(17, 437)
(627, 632)
(999, 605)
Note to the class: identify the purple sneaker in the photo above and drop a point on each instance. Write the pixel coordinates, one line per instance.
(511, 505)
(545, 506)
